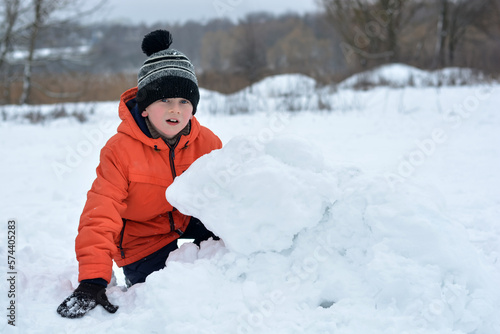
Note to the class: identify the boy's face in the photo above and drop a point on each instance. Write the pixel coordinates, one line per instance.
(169, 116)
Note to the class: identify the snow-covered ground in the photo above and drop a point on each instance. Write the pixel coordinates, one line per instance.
(382, 216)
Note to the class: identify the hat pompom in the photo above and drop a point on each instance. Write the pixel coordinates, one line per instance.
(156, 41)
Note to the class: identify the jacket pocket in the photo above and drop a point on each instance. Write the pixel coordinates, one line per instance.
(146, 197)
(154, 180)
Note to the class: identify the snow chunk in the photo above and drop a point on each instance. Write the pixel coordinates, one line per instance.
(397, 75)
(237, 191)
(283, 85)
(401, 75)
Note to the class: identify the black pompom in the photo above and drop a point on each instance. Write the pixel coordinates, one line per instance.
(156, 41)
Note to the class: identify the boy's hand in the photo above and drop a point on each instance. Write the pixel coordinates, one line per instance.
(83, 299)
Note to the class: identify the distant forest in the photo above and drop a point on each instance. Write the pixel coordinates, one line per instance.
(68, 61)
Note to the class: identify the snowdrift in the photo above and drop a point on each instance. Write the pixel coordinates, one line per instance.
(326, 251)
(360, 221)
(402, 75)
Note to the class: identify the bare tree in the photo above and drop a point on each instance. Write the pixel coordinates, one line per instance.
(39, 16)
(11, 24)
(458, 17)
(249, 57)
(442, 31)
(43, 15)
(370, 29)
(10, 12)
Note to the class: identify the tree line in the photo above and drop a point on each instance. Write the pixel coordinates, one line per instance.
(49, 57)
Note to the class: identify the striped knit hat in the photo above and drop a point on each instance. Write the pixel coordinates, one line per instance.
(167, 73)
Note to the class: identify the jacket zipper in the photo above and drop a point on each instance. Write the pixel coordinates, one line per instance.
(171, 220)
(122, 233)
(174, 175)
(172, 224)
(171, 158)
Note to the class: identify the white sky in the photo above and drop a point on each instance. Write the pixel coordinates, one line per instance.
(172, 11)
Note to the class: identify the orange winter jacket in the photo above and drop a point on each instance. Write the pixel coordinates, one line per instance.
(126, 216)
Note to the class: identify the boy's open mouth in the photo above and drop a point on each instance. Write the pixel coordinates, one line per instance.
(172, 121)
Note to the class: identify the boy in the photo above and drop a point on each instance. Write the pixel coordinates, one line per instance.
(127, 217)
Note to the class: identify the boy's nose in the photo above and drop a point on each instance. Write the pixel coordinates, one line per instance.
(174, 108)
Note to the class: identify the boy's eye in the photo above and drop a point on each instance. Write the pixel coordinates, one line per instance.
(185, 101)
(164, 100)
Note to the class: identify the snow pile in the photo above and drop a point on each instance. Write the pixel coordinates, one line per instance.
(287, 92)
(315, 237)
(283, 85)
(374, 262)
(402, 75)
(397, 75)
(255, 196)
(296, 92)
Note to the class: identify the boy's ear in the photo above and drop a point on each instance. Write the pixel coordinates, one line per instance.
(144, 113)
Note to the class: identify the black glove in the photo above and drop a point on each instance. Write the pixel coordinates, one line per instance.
(83, 299)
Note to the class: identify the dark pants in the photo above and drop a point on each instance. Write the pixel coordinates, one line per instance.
(138, 271)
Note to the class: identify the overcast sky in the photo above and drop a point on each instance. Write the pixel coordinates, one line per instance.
(172, 11)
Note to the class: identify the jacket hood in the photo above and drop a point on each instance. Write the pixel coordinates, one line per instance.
(133, 124)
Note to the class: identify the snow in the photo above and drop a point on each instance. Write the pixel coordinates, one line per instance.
(401, 75)
(48, 53)
(249, 182)
(378, 217)
(284, 84)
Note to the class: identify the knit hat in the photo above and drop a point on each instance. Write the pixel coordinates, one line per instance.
(167, 73)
